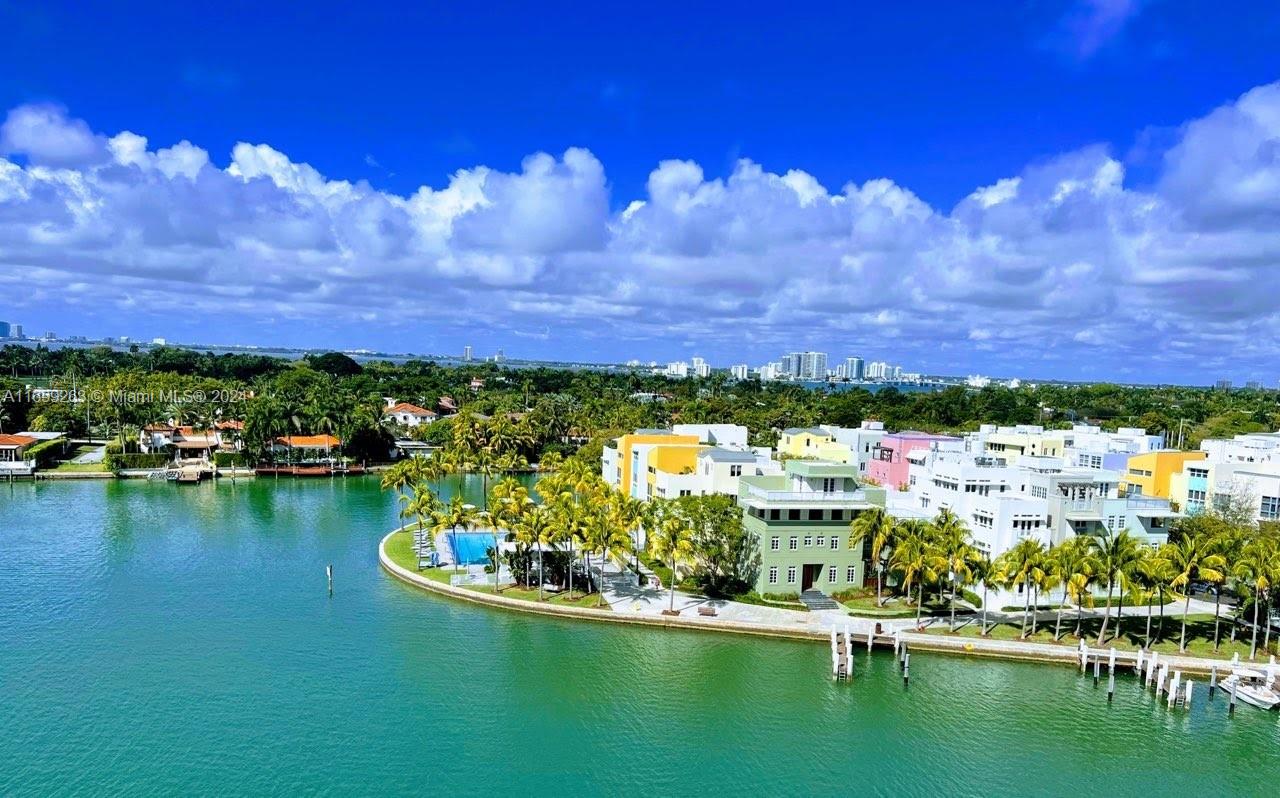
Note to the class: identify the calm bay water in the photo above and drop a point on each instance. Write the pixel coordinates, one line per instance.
(157, 639)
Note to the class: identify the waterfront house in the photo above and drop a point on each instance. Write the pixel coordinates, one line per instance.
(800, 520)
(306, 448)
(408, 415)
(13, 459)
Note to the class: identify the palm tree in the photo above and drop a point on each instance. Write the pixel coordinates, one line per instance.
(535, 527)
(671, 542)
(951, 542)
(915, 560)
(1078, 575)
(1022, 565)
(1227, 543)
(1116, 554)
(879, 527)
(1191, 558)
(984, 571)
(1154, 573)
(453, 515)
(1257, 566)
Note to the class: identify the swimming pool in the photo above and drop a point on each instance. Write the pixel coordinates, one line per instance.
(469, 548)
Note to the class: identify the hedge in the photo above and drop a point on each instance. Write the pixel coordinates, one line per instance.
(45, 452)
(229, 459)
(116, 462)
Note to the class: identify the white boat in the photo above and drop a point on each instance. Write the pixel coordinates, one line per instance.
(1251, 687)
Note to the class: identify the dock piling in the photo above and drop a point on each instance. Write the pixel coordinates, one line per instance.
(906, 670)
(1213, 680)
(1111, 686)
(1186, 701)
(1097, 667)
(328, 570)
(1231, 708)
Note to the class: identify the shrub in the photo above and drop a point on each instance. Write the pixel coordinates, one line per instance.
(229, 459)
(116, 462)
(972, 598)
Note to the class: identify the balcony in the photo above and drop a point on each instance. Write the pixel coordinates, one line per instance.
(802, 496)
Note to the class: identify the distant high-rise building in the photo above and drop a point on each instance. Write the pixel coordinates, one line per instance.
(1253, 385)
(787, 366)
(678, 368)
(740, 371)
(701, 368)
(466, 353)
(158, 341)
(4, 329)
(854, 368)
(16, 332)
(814, 366)
(1221, 385)
(498, 357)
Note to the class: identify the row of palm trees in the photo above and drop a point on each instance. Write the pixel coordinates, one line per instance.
(940, 553)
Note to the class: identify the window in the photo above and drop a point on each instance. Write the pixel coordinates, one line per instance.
(774, 543)
(831, 574)
(1198, 473)
(794, 543)
(851, 574)
(835, 542)
(837, 515)
(686, 493)
(815, 515)
(791, 574)
(773, 573)
(808, 541)
(820, 542)
(793, 515)
(1269, 509)
(774, 515)
(828, 484)
(1195, 496)
(735, 470)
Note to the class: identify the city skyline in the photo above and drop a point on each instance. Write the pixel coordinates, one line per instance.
(1106, 218)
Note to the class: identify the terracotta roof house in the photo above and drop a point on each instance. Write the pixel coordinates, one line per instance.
(12, 449)
(410, 415)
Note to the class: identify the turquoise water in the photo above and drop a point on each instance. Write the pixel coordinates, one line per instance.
(470, 548)
(163, 639)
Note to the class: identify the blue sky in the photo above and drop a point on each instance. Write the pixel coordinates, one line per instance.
(1062, 189)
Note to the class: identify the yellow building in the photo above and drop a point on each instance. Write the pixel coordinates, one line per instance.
(812, 443)
(1024, 439)
(1149, 473)
(625, 466)
(666, 464)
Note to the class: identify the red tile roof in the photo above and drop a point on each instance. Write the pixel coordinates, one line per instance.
(309, 441)
(16, 440)
(405, 407)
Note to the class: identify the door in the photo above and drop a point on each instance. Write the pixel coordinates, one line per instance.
(812, 572)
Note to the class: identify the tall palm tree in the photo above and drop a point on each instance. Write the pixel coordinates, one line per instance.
(1191, 558)
(1022, 565)
(915, 560)
(1227, 543)
(1257, 566)
(879, 527)
(671, 542)
(1061, 563)
(451, 516)
(1154, 573)
(536, 527)
(951, 542)
(1116, 555)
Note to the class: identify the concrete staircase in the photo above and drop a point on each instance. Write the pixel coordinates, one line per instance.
(816, 600)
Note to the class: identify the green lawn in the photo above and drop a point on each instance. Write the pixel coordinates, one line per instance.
(865, 605)
(1131, 637)
(400, 549)
(79, 468)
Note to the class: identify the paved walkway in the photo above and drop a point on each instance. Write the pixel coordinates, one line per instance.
(625, 595)
(95, 456)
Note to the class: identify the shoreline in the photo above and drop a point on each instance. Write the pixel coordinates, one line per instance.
(1009, 650)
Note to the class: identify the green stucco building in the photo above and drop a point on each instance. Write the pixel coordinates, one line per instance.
(800, 521)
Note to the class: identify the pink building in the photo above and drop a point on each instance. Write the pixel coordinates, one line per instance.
(889, 464)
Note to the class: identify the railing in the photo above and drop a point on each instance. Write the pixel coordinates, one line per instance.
(808, 496)
(1147, 501)
(17, 465)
